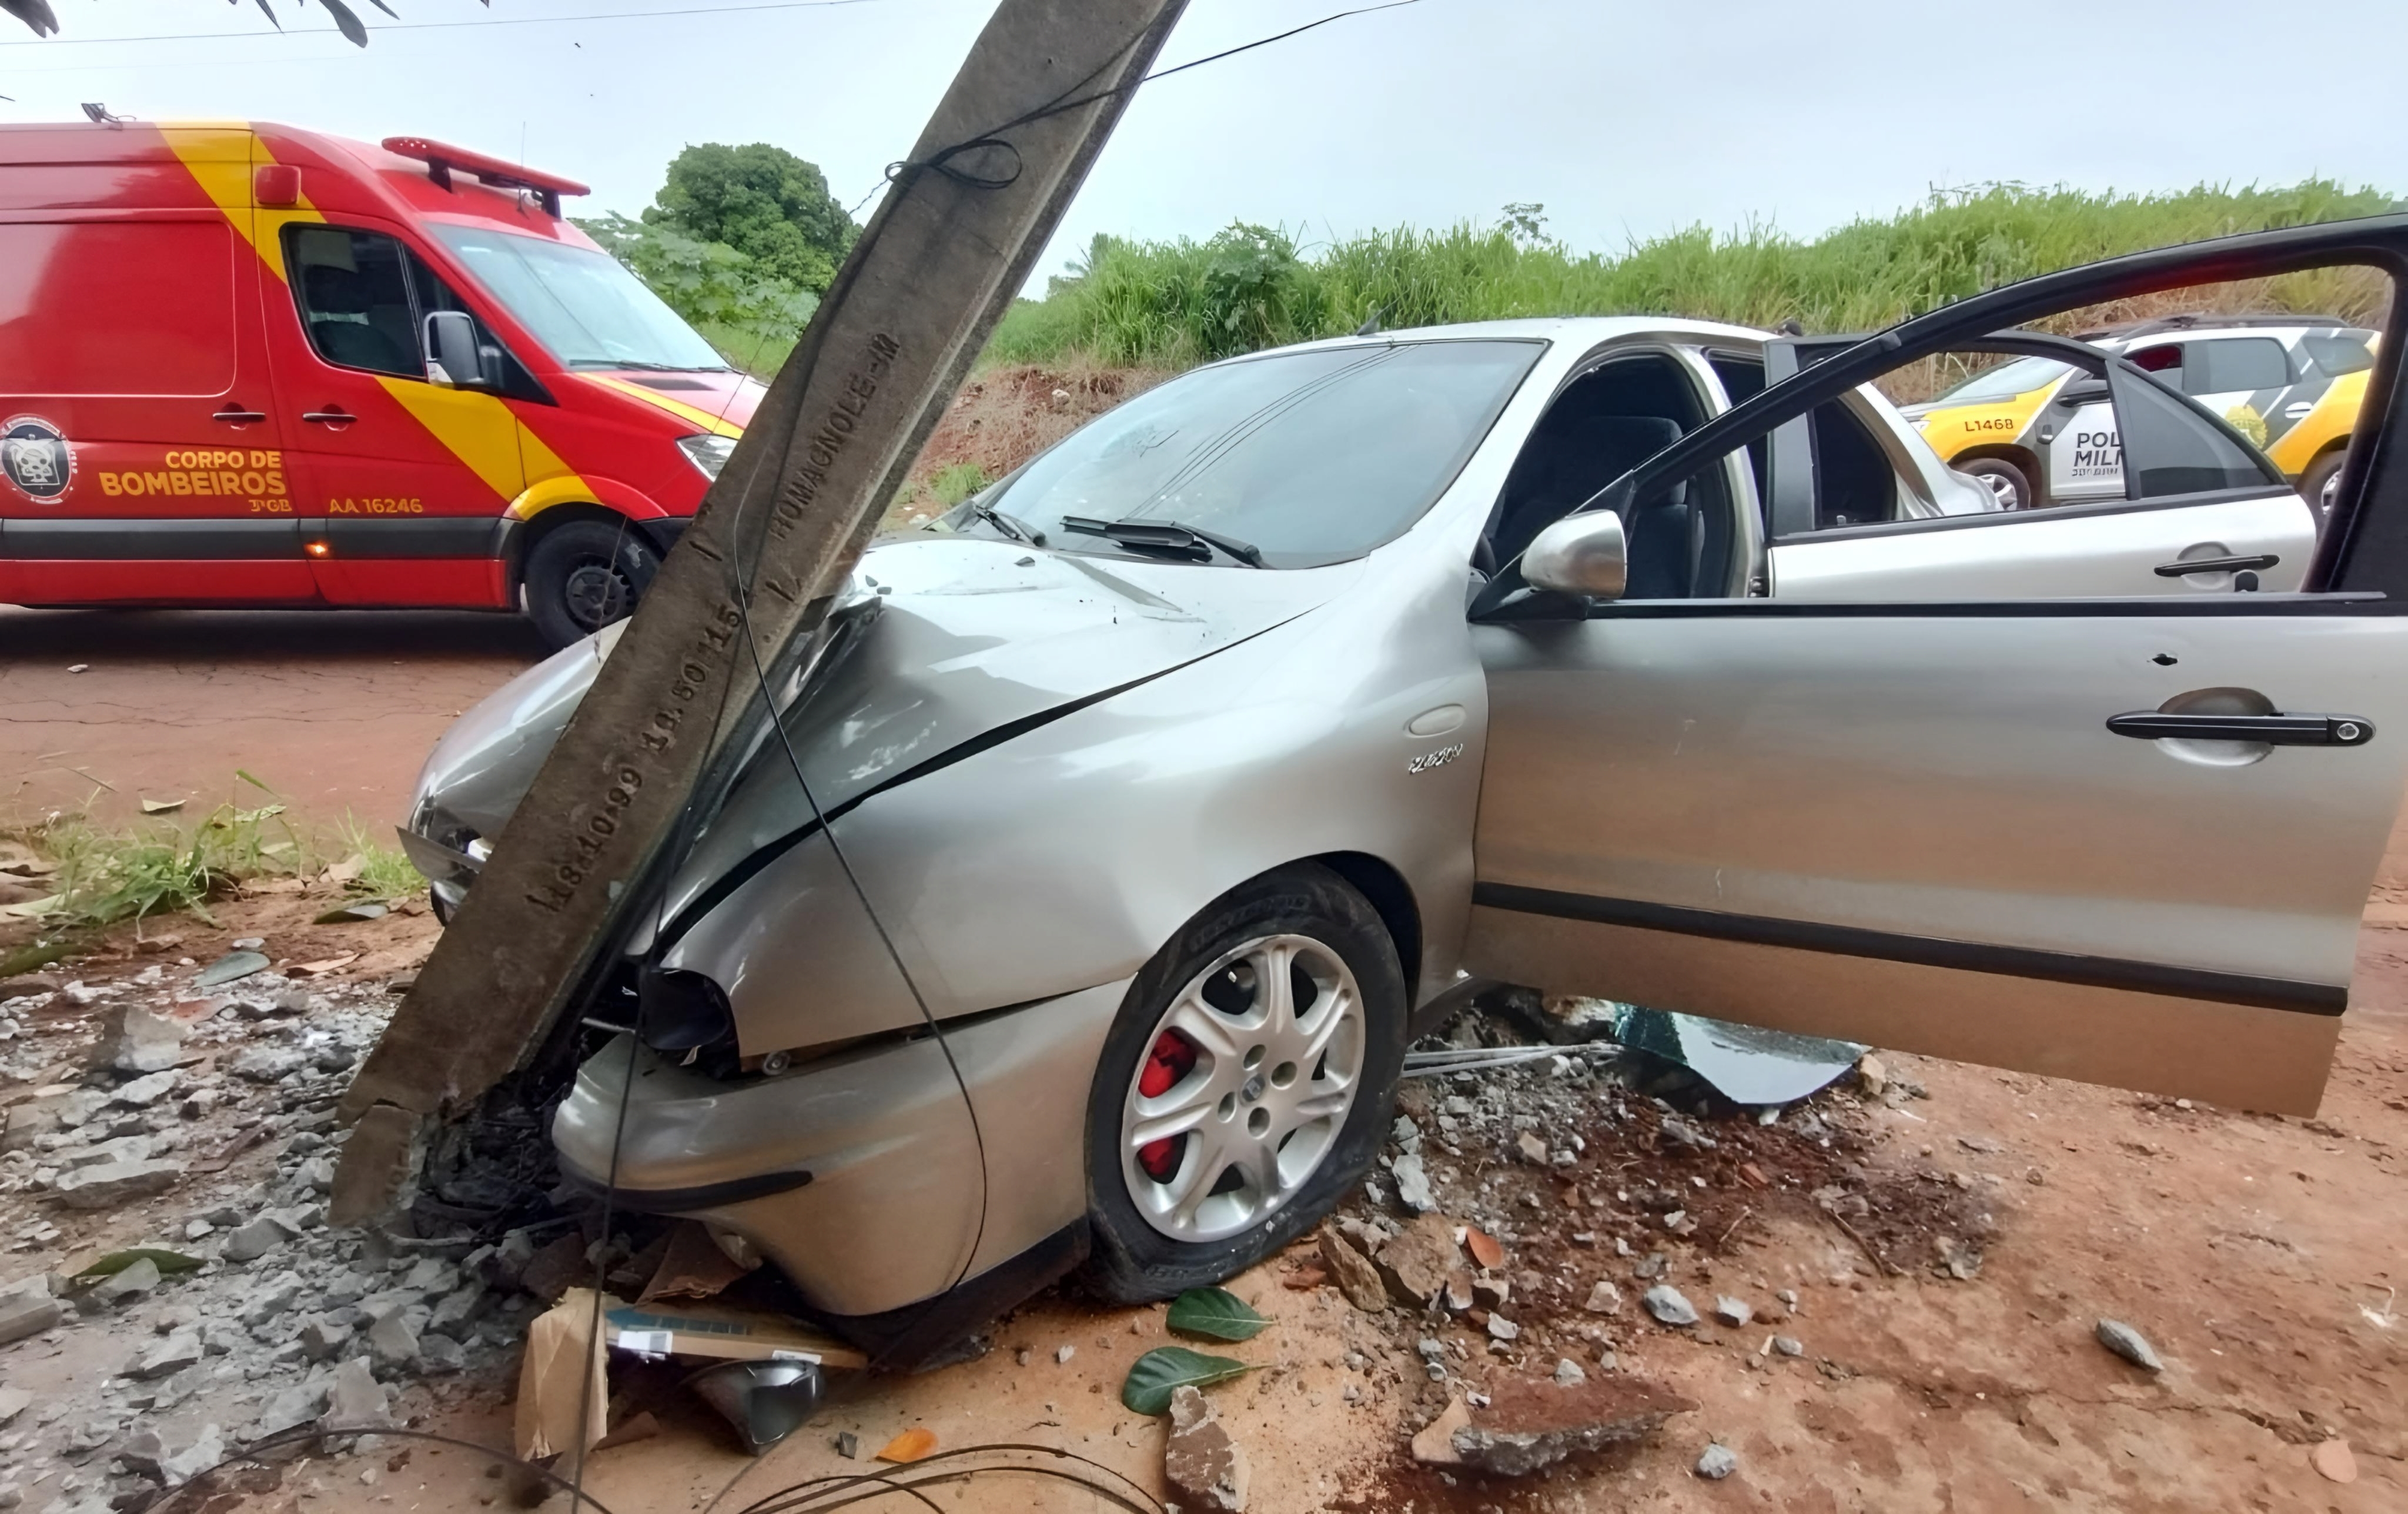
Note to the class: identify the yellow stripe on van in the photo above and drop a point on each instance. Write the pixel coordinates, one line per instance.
(700, 419)
(477, 428)
(564, 489)
(222, 157)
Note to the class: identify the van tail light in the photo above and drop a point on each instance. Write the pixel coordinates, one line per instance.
(275, 185)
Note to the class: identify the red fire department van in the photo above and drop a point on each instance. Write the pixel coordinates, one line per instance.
(247, 364)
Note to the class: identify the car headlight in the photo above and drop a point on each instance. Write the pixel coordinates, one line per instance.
(707, 453)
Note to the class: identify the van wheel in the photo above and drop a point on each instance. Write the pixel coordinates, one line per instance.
(584, 575)
(2010, 485)
(1245, 1086)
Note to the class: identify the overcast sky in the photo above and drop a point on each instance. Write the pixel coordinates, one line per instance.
(1626, 120)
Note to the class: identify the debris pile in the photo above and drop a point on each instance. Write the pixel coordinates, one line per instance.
(171, 1133)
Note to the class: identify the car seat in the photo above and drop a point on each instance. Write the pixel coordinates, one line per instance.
(340, 305)
(1584, 455)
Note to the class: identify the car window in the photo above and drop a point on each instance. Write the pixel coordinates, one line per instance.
(2227, 364)
(1604, 423)
(1311, 457)
(1854, 482)
(353, 290)
(2338, 352)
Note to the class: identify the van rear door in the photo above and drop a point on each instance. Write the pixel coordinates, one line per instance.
(405, 482)
(140, 460)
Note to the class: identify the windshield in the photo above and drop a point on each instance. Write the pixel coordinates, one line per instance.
(2006, 382)
(586, 309)
(1312, 457)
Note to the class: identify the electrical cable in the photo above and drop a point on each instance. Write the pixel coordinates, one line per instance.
(256, 1450)
(940, 161)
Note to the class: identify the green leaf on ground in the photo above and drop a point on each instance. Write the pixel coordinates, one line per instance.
(1166, 1367)
(168, 1263)
(1215, 1312)
(232, 965)
(343, 914)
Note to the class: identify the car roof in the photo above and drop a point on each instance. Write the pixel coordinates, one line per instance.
(1581, 330)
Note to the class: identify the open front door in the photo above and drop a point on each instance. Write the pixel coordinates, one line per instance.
(2120, 839)
(1916, 827)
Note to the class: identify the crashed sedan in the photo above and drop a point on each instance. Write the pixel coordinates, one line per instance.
(1124, 830)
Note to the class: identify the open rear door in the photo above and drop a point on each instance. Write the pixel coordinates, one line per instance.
(2121, 839)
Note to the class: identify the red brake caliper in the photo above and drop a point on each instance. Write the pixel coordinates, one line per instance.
(1171, 1059)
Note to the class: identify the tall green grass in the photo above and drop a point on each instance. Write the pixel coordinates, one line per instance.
(1176, 303)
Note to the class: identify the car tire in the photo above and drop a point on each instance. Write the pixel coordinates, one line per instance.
(2321, 481)
(1340, 953)
(2009, 482)
(582, 575)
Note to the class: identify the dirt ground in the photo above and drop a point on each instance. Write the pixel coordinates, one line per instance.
(333, 708)
(2262, 1256)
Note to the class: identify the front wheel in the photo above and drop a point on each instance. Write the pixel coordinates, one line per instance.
(1244, 1087)
(582, 575)
(2009, 485)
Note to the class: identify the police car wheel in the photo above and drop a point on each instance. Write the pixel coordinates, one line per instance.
(586, 575)
(2321, 482)
(2009, 482)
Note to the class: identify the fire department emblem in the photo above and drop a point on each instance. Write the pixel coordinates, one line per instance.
(36, 459)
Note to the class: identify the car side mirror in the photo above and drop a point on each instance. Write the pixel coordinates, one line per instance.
(454, 358)
(1580, 554)
(2083, 392)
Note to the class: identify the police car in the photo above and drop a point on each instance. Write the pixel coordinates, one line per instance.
(2038, 432)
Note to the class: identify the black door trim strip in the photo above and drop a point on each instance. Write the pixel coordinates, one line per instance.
(2153, 607)
(1923, 951)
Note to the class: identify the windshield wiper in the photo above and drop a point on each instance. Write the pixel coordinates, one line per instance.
(1166, 536)
(640, 367)
(1019, 530)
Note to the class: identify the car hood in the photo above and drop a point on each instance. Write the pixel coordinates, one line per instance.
(940, 647)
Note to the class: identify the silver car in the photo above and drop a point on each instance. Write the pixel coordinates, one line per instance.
(1126, 827)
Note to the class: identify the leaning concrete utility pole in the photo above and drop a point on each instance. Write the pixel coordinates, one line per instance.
(677, 705)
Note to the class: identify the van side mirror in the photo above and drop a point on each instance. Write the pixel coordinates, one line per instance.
(2083, 392)
(454, 358)
(1580, 554)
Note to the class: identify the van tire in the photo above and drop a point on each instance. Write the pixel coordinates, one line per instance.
(1132, 1261)
(2011, 484)
(581, 575)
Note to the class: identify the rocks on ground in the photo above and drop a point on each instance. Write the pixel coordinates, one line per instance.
(1204, 1468)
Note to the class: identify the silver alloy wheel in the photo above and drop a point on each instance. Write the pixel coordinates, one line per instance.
(1277, 1032)
(2003, 487)
(2325, 495)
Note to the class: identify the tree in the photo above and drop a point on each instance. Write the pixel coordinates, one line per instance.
(39, 15)
(763, 202)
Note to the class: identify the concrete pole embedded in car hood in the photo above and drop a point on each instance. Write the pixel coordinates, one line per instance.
(678, 703)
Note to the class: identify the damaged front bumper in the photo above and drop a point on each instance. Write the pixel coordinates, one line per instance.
(862, 1175)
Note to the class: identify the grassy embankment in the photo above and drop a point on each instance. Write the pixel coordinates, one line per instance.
(1157, 308)
(1167, 305)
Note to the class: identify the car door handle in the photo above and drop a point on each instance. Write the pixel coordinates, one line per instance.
(2297, 409)
(337, 416)
(2187, 566)
(237, 415)
(2273, 730)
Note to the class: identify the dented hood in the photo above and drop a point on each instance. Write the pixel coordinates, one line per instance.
(942, 646)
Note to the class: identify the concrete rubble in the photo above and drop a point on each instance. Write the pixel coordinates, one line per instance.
(1204, 1468)
(199, 1123)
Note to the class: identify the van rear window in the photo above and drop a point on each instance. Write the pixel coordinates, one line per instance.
(116, 308)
